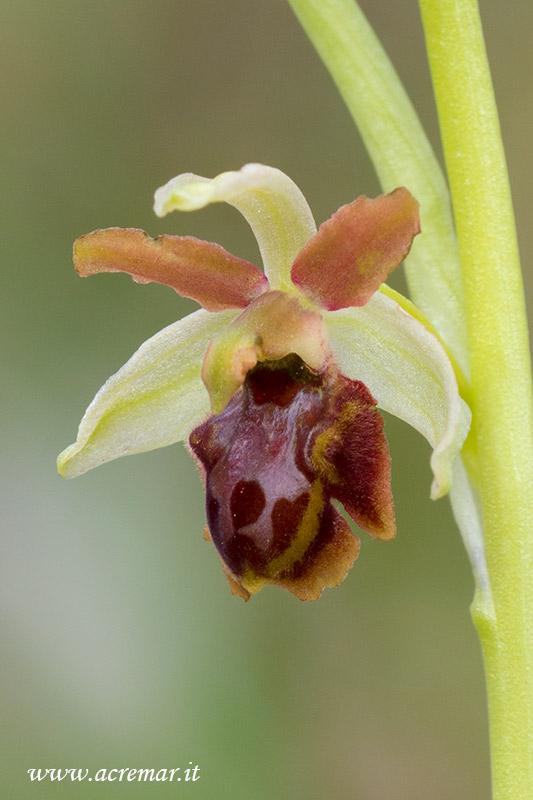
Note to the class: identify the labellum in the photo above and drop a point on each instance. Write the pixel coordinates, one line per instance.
(287, 444)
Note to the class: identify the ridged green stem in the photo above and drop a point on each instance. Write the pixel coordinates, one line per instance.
(500, 374)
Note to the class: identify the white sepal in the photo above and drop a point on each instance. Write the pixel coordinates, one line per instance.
(154, 400)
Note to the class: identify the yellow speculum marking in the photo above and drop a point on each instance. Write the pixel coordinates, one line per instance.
(330, 436)
(322, 443)
(305, 535)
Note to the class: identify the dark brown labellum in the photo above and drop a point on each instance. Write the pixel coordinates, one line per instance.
(285, 445)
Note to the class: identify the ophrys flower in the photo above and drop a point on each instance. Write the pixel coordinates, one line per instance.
(291, 381)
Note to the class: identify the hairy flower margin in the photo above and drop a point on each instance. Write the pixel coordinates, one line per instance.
(292, 380)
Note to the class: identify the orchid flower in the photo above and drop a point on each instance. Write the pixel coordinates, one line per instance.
(276, 381)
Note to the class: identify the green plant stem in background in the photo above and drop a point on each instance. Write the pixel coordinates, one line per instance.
(500, 373)
(485, 298)
(401, 154)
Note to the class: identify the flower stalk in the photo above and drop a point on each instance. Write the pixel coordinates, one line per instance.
(500, 373)
(485, 325)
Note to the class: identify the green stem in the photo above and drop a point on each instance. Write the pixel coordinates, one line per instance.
(500, 374)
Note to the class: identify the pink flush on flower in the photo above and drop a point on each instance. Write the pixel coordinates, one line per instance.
(293, 362)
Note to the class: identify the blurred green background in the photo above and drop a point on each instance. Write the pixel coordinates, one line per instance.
(122, 646)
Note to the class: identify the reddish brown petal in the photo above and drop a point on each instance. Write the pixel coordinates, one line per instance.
(356, 249)
(201, 270)
(348, 450)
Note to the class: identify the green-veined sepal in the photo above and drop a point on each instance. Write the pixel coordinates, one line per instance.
(154, 400)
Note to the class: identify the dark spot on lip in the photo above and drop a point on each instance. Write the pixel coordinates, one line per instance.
(246, 504)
